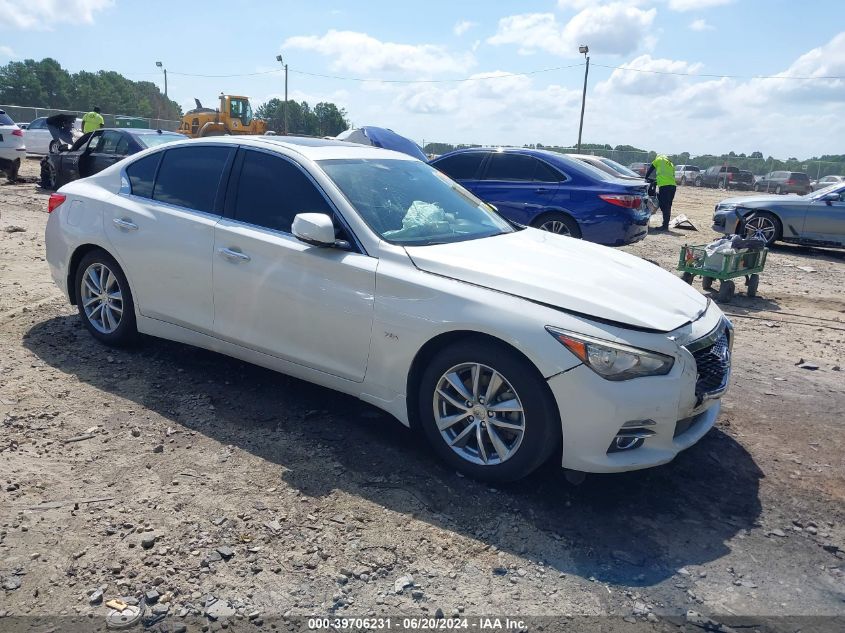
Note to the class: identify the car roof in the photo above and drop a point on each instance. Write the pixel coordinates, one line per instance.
(309, 147)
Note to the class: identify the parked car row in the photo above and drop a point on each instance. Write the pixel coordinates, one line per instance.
(502, 343)
(784, 182)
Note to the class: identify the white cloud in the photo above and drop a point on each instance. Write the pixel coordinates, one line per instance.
(612, 29)
(462, 27)
(361, 53)
(701, 25)
(578, 5)
(696, 5)
(44, 14)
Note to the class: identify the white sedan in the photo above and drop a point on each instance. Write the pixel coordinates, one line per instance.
(370, 272)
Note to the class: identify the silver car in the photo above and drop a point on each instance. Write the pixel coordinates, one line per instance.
(814, 219)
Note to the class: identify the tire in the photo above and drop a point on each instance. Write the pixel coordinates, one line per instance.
(114, 324)
(697, 182)
(688, 277)
(752, 284)
(534, 431)
(726, 291)
(559, 223)
(683, 180)
(54, 146)
(778, 190)
(707, 283)
(49, 178)
(758, 188)
(12, 171)
(764, 225)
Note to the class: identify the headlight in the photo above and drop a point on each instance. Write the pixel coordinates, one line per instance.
(613, 361)
(729, 206)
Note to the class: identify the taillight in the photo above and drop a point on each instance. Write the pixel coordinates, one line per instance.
(730, 176)
(17, 132)
(622, 200)
(55, 201)
(790, 182)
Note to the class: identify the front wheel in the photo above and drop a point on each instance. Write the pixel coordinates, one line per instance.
(487, 412)
(779, 190)
(104, 300)
(558, 223)
(49, 178)
(763, 226)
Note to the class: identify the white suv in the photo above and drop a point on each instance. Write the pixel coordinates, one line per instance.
(12, 148)
(686, 174)
(370, 272)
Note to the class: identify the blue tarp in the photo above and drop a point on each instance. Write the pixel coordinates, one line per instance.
(382, 137)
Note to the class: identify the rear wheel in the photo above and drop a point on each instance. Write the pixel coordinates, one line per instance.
(697, 182)
(104, 299)
(779, 190)
(758, 188)
(688, 277)
(487, 412)
(707, 283)
(558, 223)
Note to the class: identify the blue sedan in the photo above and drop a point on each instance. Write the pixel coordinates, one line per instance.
(553, 192)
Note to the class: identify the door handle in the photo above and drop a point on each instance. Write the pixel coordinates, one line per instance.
(126, 225)
(542, 190)
(233, 256)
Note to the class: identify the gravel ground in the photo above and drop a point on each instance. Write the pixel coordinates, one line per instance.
(213, 486)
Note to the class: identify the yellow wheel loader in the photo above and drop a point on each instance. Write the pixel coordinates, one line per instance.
(234, 116)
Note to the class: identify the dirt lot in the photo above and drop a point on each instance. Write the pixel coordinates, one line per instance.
(207, 481)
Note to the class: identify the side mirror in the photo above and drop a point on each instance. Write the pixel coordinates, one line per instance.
(314, 228)
(830, 197)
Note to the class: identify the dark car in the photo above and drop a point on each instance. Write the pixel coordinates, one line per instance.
(94, 152)
(817, 218)
(784, 182)
(726, 176)
(639, 168)
(553, 192)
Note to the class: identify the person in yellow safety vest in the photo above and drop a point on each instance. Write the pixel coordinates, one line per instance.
(92, 121)
(665, 177)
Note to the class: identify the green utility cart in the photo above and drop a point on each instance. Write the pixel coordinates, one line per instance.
(725, 267)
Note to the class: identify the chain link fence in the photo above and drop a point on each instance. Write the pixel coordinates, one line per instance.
(25, 114)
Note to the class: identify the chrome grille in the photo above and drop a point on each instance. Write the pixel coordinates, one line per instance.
(713, 361)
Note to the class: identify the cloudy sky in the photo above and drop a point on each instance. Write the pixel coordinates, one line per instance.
(670, 75)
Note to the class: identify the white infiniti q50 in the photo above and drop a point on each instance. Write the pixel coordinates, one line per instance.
(369, 272)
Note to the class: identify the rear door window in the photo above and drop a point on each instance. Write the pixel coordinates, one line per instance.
(272, 190)
(5, 119)
(511, 167)
(462, 166)
(190, 176)
(110, 141)
(799, 176)
(142, 175)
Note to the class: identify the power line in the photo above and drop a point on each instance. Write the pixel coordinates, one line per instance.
(498, 76)
(717, 76)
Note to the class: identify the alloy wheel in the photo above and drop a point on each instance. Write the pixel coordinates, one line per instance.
(555, 226)
(102, 298)
(761, 228)
(479, 414)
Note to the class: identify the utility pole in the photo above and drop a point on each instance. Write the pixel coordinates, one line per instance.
(285, 106)
(160, 65)
(584, 50)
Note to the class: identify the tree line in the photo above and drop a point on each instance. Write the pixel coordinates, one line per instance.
(324, 119)
(46, 84)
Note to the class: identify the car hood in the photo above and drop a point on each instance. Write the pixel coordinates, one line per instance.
(570, 274)
(747, 201)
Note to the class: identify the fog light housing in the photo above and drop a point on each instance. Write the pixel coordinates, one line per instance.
(631, 436)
